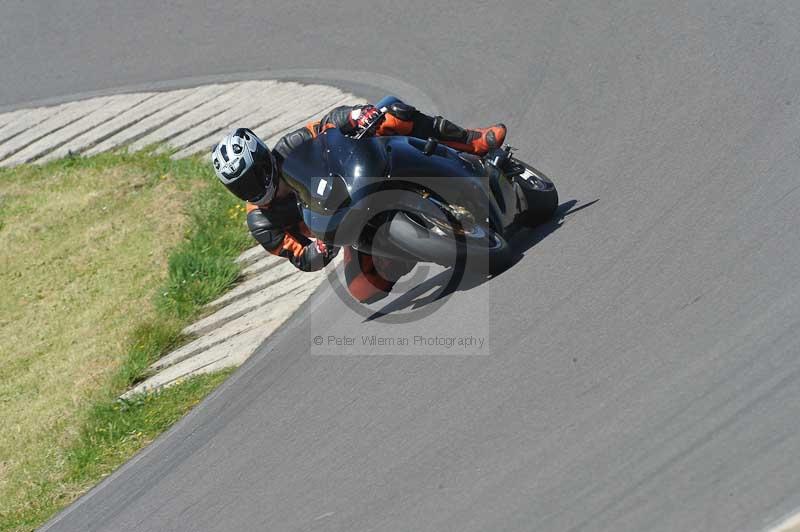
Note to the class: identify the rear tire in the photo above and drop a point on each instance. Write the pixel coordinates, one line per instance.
(540, 195)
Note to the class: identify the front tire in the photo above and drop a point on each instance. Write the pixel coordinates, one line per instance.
(489, 252)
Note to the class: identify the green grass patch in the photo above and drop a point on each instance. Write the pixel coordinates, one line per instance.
(115, 430)
(112, 433)
(105, 260)
(200, 269)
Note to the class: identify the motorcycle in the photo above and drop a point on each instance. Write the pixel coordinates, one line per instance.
(406, 198)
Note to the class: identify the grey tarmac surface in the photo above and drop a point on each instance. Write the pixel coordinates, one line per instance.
(642, 368)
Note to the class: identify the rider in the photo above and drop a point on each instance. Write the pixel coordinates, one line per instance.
(251, 171)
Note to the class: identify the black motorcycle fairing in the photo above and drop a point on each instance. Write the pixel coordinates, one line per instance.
(336, 177)
(310, 169)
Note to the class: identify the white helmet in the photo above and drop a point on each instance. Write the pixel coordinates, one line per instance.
(246, 166)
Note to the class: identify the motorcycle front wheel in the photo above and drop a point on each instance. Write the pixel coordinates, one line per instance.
(433, 239)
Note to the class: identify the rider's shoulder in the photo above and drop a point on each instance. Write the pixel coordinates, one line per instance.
(291, 141)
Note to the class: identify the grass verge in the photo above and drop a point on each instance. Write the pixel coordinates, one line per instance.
(105, 259)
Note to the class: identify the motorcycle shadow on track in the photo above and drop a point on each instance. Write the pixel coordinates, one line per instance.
(436, 287)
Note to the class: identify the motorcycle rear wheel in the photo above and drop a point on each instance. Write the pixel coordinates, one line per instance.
(540, 195)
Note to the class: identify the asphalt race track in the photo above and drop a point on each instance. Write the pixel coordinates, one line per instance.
(641, 370)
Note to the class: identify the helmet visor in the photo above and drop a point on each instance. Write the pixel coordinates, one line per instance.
(257, 185)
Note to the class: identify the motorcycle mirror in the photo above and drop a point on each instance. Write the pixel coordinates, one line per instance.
(430, 146)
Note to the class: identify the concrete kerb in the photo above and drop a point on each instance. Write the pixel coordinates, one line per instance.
(272, 274)
(252, 255)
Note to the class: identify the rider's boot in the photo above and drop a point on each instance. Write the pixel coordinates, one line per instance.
(402, 119)
(478, 141)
